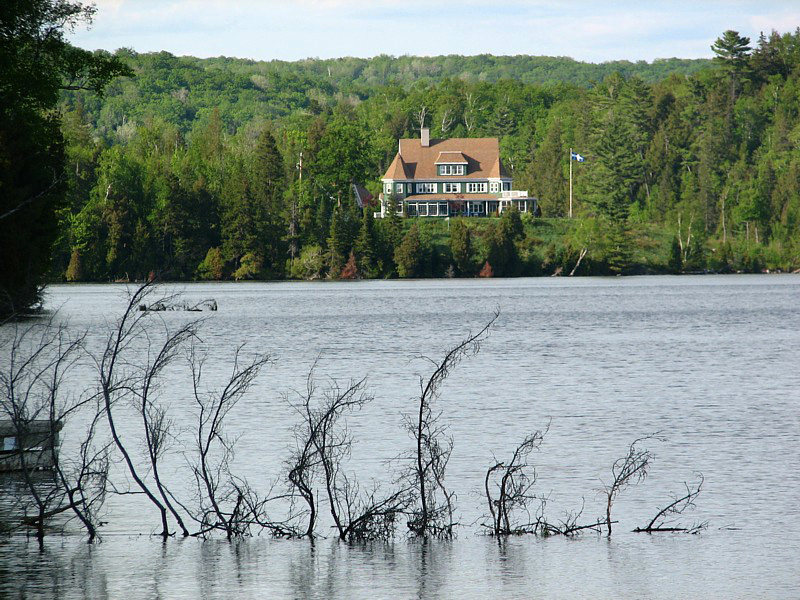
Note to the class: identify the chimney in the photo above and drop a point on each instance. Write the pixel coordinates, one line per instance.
(425, 137)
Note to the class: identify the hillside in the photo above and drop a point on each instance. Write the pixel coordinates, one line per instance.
(191, 168)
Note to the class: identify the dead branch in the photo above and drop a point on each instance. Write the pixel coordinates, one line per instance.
(225, 502)
(512, 484)
(433, 514)
(569, 526)
(323, 444)
(40, 358)
(581, 256)
(124, 382)
(678, 506)
(628, 470)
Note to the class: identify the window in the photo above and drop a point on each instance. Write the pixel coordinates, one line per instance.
(494, 187)
(399, 188)
(426, 188)
(9, 444)
(411, 210)
(387, 188)
(452, 188)
(474, 187)
(408, 188)
(452, 169)
(443, 209)
(506, 186)
(423, 209)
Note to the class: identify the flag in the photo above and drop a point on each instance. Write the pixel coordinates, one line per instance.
(578, 157)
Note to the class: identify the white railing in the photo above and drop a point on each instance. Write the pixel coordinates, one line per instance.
(515, 194)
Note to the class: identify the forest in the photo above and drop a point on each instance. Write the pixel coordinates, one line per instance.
(183, 169)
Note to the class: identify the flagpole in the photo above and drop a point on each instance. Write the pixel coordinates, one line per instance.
(570, 183)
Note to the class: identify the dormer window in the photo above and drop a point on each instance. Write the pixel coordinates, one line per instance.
(451, 162)
(452, 169)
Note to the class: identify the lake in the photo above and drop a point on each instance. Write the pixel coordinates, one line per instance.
(710, 363)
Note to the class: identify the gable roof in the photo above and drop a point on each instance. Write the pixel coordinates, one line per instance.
(415, 161)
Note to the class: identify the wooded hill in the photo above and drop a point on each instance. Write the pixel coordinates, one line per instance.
(189, 169)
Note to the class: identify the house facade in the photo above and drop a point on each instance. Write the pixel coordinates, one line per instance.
(453, 177)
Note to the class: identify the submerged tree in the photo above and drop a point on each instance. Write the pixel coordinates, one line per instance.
(323, 444)
(223, 501)
(432, 511)
(508, 488)
(35, 405)
(627, 470)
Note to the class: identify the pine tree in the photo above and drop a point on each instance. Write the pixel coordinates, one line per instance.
(338, 247)
(268, 193)
(461, 246)
(732, 51)
(411, 255)
(365, 245)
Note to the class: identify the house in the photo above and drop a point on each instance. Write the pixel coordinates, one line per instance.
(453, 177)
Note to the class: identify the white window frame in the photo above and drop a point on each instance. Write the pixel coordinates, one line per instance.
(452, 188)
(452, 169)
(476, 187)
(420, 207)
(494, 187)
(506, 186)
(398, 188)
(426, 188)
(387, 188)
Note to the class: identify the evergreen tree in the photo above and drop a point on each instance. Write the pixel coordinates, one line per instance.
(365, 247)
(268, 193)
(550, 185)
(338, 246)
(461, 246)
(412, 254)
(732, 51)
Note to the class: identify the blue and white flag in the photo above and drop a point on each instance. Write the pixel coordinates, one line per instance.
(578, 157)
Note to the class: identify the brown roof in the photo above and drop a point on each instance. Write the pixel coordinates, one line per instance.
(397, 170)
(451, 157)
(415, 161)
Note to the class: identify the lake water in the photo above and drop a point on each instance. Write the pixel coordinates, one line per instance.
(712, 363)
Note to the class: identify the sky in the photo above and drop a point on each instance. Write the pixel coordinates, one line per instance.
(591, 31)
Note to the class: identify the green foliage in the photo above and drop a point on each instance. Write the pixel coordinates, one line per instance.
(461, 247)
(36, 62)
(413, 254)
(366, 246)
(675, 262)
(74, 271)
(250, 267)
(195, 154)
(213, 265)
(310, 264)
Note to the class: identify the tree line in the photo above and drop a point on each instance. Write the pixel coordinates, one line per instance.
(707, 160)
